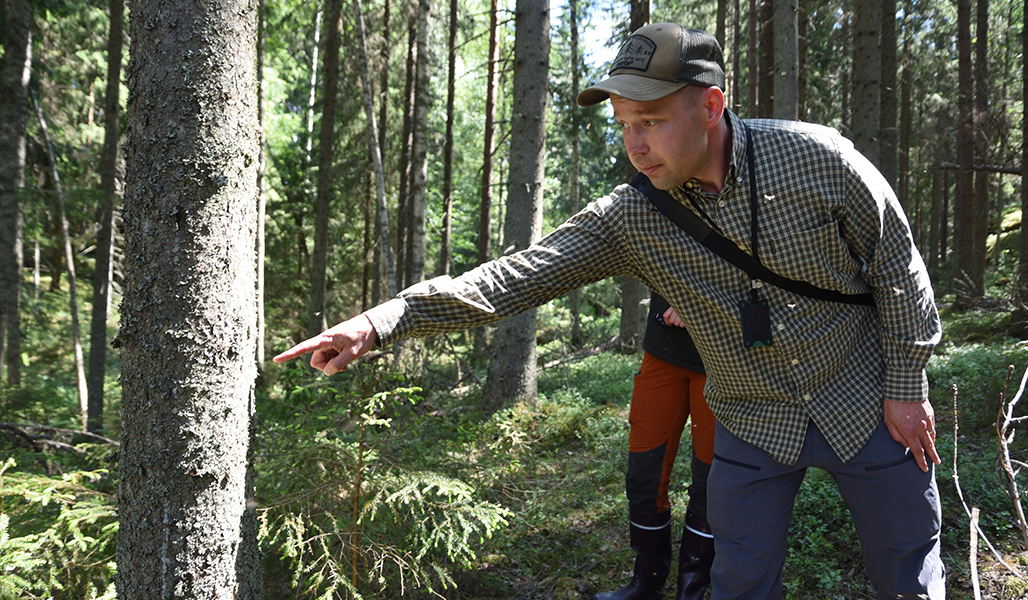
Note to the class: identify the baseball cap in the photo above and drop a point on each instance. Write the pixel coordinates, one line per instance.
(659, 59)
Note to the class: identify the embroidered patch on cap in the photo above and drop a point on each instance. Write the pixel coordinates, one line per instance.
(635, 54)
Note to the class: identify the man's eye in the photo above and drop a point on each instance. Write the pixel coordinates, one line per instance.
(649, 123)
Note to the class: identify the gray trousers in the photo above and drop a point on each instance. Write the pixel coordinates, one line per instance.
(894, 505)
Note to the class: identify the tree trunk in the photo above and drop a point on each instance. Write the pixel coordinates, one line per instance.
(802, 25)
(574, 300)
(381, 237)
(736, 49)
(443, 268)
(382, 209)
(419, 166)
(906, 126)
(512, 366)
(889, 135)
(753, 77)
(767, 59)
(317, 321)
(1021, 311)
(787, 60)
(403, 205)
(17, 67)
(69, 258)
(262, 26)
(981, 131)
(103, 272)
(963, 207)
(485, 207)
(867, 77)
(186, 507)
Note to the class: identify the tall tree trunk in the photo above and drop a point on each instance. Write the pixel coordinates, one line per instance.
(633, 293)
(1021, 310)
(963, 208)
(185, 506)
(787, 60)
(17, 68)
(802, 26)
(69, 258)
(889, 135)
(103, 272)
(317, 321)
(404, 203)
(381, 267)
(419, 166)
(574, 298)
(512, 366)
(906, 123)
(753, 68)
(443, 268)
(485, 207)
(867, 77)
(981, 120)
(262, 26)
(382, 209)
(736, 49)
(767, 59)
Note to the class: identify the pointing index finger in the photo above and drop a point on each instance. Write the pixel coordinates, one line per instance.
(304, 347)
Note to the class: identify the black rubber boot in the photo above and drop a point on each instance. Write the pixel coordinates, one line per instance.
(695, 557)
(652, 565)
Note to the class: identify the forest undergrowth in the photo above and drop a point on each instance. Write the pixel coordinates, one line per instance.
(374, 486)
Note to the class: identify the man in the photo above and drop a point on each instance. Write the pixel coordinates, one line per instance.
(667, 390)
(794, 381)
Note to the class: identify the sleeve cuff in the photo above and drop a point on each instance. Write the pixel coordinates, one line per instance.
(905, 385)
(386, 319)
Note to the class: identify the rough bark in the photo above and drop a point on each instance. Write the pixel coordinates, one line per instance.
(185, 505)
(419, 164)
(512, 366)
(403, 203)
(104, 270)
(17, 67)
(1020, 314)
(574, 297)
(787, 60)
(981, 147)
(485, 207)
(889, 134)
(767, 59)
(443, 268)
(867, 78)
(753, 75)
(963, 207)
(317, 321)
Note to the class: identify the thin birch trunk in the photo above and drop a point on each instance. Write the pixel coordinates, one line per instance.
(69, 257)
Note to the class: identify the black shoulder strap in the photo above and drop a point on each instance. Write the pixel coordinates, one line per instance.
(686, 220)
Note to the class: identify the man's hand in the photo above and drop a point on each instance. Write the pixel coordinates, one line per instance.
(913, 425)
(671, 318)
(336, 347)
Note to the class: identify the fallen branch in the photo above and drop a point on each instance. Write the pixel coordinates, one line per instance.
(960, 493)
(1006, 437)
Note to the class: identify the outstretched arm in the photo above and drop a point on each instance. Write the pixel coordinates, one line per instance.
(336, 347)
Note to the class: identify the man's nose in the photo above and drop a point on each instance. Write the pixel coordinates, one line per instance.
(635, 143)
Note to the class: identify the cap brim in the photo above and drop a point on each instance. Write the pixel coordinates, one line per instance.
(633, 87)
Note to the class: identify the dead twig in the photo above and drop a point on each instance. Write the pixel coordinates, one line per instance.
(1006, 437)
(960, 494)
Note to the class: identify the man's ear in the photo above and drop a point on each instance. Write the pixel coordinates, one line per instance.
(714, 102)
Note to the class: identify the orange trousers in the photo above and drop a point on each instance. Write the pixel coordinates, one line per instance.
(664, 396)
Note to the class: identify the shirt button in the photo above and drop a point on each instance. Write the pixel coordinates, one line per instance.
(781, 326)
(806, 397)
(795, 361)
(721, 203)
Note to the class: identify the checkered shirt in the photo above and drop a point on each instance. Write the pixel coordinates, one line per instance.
(826, 216)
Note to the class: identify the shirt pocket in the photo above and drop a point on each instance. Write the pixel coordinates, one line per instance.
(819, 256)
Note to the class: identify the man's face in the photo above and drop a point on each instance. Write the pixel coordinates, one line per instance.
(666, 139)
